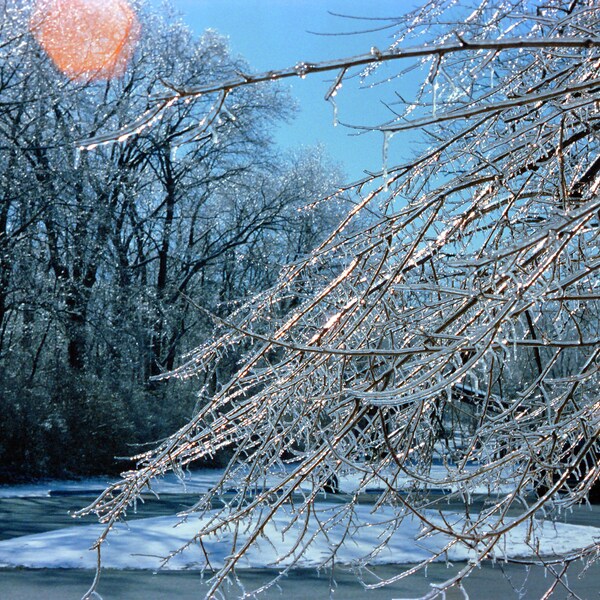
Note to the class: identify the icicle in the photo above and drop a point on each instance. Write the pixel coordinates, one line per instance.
(514, 344)
(227, 112)
(174, 153)
(214, 136)
(434, 107)
(335, 111)
(387, 136)
(77, 158)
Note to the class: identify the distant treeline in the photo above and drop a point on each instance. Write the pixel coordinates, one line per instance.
(105, 253)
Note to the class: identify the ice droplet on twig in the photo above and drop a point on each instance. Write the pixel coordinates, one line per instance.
(301, 69)
(376, 52)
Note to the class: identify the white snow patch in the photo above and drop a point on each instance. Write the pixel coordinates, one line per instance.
(141, 544)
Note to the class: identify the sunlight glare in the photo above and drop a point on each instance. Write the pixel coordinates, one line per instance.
(87, 39)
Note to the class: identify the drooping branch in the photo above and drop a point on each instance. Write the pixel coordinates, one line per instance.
(444, 337)
(342, 65)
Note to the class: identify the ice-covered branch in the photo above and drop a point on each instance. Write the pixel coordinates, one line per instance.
(341, 65)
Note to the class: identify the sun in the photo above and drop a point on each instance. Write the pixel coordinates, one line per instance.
(86, 39)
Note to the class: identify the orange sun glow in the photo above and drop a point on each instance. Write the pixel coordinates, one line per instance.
(87, 39)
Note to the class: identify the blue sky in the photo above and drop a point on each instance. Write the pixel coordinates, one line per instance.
(273, 34)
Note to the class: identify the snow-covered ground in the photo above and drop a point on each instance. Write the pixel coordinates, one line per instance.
(141, 543)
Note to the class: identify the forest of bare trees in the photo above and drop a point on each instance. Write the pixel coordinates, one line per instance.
(101, 252)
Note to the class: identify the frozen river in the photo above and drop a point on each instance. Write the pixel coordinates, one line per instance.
(36, 524)
(488, 583)
(500, 582)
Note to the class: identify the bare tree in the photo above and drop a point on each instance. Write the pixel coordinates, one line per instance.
(455, 323)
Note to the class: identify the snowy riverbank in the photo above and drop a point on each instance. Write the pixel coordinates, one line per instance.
(142, 543)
